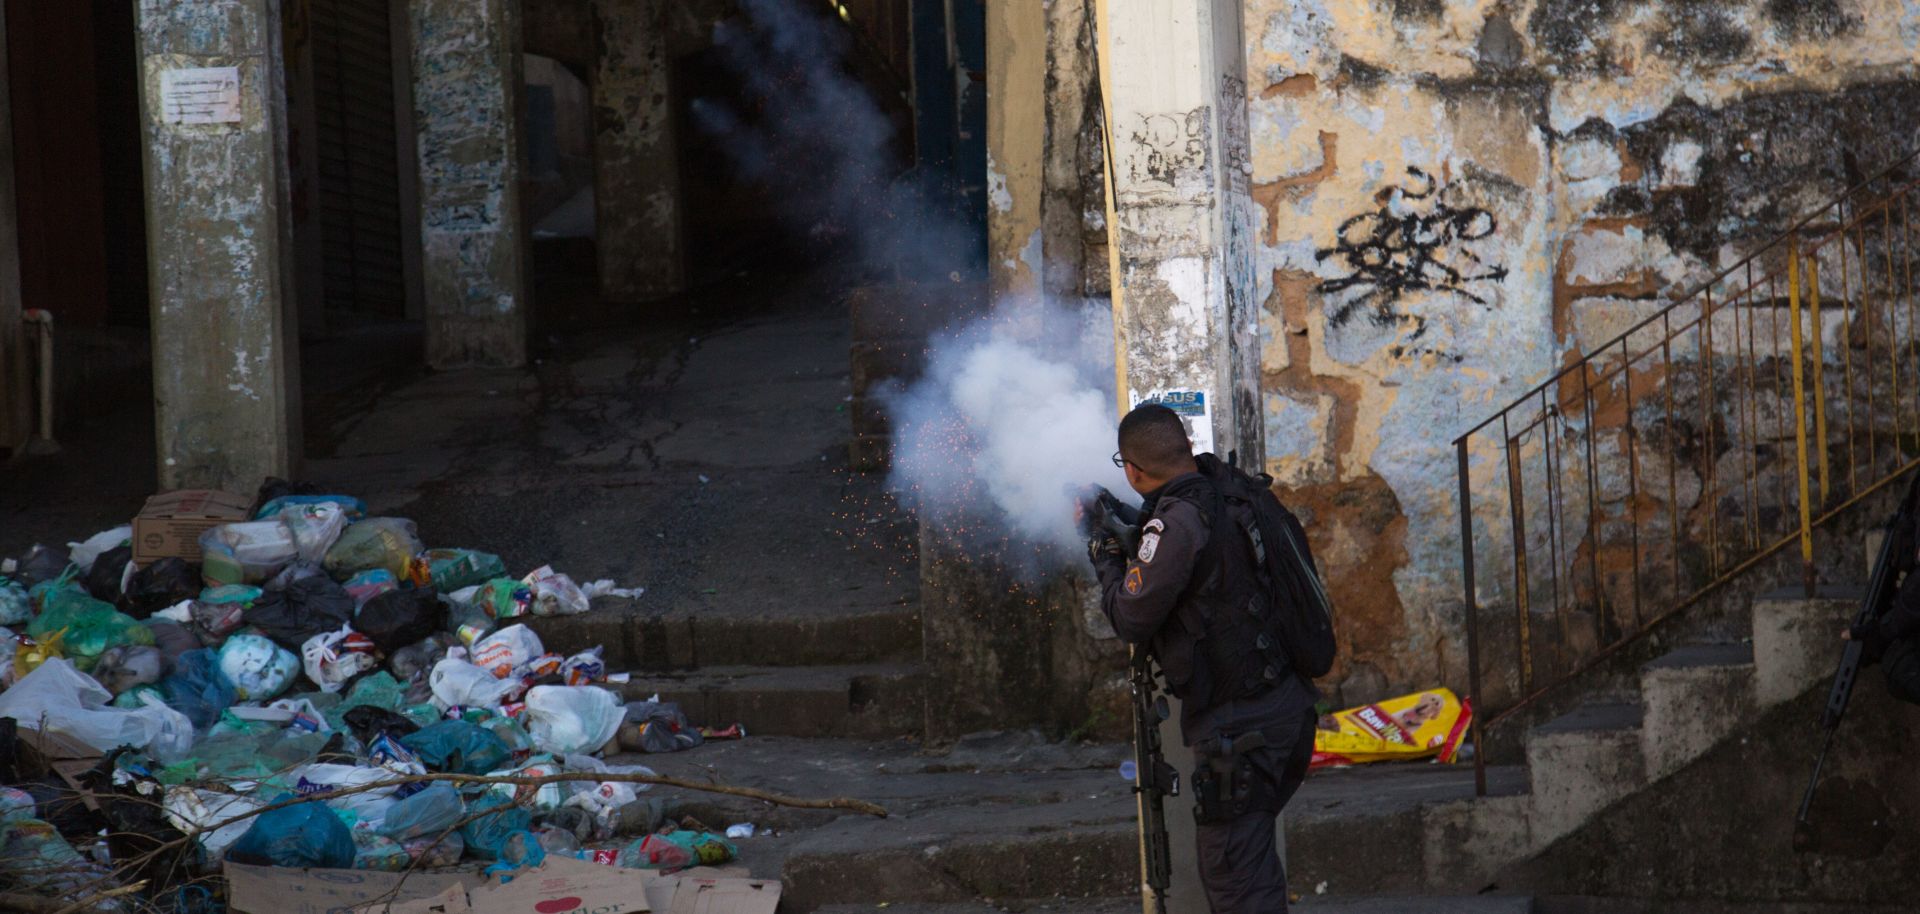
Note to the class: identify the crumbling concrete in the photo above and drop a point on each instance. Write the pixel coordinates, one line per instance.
(639, 222)
(225, 367)
(1016, 143)
(466, 97)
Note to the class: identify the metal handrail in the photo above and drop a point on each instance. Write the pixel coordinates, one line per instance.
(1694, 391)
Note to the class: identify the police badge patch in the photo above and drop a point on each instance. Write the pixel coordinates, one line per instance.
(1150, 540)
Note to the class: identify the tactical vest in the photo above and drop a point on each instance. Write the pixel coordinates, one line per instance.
(1208, 647)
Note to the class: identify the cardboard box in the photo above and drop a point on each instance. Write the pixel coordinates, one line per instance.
(280, 890)
(171, 523)
(564, 886)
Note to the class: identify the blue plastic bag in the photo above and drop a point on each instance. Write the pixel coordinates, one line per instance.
(458, 747)
(301, 835)
(352, 507)
(501, 835)
(198, 689)
(429, 812)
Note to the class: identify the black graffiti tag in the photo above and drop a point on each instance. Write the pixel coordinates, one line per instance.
(1422, 248)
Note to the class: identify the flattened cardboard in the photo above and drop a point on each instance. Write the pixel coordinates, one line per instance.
(725, 896)
(283, 890)
(170, 524)
(567, 886)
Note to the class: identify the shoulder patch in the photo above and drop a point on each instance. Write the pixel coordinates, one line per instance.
(1133, 581)
(1149, 544)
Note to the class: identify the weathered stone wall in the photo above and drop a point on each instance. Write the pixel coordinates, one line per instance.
(1458, 197)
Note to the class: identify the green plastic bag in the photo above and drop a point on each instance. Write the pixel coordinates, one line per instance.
(377, 542)
(453, 569)
(90, 627)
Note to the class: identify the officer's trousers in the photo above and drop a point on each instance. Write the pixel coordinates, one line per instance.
(1240, 867)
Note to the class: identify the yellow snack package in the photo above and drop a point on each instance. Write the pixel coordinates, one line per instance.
(1422, 725)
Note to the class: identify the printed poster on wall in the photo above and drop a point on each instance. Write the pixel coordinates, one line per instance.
(200, 95)
(1193, 407)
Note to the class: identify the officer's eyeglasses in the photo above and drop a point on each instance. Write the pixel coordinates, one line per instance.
(1119, 461)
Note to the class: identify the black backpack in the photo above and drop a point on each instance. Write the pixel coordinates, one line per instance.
(1299, 617)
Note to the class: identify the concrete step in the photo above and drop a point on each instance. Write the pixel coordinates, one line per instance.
(1420, 904)
(1580, 763)
(869, 701)
(1009, 816)
(1694, 697)
(1796, 640)
(1343, 822)
(639, 641)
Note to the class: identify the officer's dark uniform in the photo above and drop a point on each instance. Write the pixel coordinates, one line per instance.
(1894, 640)
(1191, 570)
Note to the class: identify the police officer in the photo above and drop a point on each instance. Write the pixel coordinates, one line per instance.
(1179, 594)
(1893, 638)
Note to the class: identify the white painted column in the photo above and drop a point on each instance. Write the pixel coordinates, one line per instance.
(1185, 320)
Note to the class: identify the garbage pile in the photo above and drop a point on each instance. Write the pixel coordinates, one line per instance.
(297, 684)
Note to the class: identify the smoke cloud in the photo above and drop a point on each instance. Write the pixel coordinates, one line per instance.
(1014, 413)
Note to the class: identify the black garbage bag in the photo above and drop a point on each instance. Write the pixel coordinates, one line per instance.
(308, 607)
(275, 487)
(369, 721)
(42, 563)
(398, 618)
(103, 579)
(160, 585)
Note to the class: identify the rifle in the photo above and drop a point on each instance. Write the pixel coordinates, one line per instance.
(1896, 551)
(1154, 779)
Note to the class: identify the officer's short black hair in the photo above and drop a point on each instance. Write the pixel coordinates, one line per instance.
(1153, 439)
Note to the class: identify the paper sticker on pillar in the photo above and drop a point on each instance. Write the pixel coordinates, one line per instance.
(1195, 409)
(200, 95)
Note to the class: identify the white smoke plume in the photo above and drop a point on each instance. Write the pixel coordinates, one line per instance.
(1014, 413)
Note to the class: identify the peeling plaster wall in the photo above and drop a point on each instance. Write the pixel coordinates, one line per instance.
(1572, 163)
(225, 367)
(637, 170)
(466, 97)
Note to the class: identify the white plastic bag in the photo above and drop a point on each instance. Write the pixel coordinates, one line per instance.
(565, 719)
(83, 554)
(192, 811)
(369, 805)
(258, 668)
(507, 650)
(61, 699)
(315, 528)
(459, 683)
(607, 587)
(329, 667)
(554, 594)
(246, 553)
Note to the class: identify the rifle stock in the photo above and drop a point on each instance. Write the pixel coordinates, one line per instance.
(1895, 550)
(1154, 779)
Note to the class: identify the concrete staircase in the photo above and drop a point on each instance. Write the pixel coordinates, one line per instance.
(1684, 704)
(849, 674)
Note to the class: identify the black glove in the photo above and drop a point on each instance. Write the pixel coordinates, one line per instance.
(1873, 638)
(1104, 548)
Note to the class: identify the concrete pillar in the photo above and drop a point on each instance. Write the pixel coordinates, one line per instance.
(225, 359)
(467, 101)
(16, 381)
(1016, 143)
(636, 183)
(1185, 316)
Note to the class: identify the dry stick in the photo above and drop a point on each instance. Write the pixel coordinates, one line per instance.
(847, 803)
(36, 904)
(98, 897)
